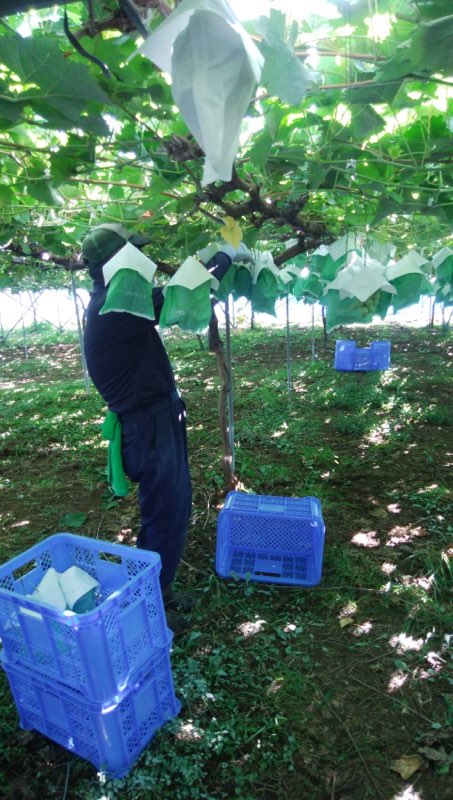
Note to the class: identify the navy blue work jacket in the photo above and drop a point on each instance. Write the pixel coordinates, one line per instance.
(125, 356)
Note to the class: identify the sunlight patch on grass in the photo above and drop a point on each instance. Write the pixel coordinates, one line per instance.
(366, 539)
(435, 661)
(363, 629)
(388, 568)
(275, 686)
(408, 793)
(429, 488)
(348, 610)
(425, 582)
(281, 432)
(379, 434)
(250, 628)
(124, 536)
(290, 627)
(404, 643)
(188, 731)
(397, 681)
(403, 534)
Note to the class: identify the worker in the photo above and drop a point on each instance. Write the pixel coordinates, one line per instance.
(129, 366)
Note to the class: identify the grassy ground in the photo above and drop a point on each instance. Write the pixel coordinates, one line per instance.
(338, 692)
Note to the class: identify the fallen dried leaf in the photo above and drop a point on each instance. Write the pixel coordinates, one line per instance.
(406, 765)
(346, 621)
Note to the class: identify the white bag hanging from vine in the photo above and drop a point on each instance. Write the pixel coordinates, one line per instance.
(188, 297)
(214, 67)
(266, 283)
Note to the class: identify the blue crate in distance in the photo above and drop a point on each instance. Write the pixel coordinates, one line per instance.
(350, 358)
(270, 539)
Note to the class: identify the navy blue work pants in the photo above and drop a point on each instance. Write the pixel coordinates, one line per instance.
(154, 448)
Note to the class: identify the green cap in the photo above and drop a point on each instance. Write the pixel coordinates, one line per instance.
(105, 240)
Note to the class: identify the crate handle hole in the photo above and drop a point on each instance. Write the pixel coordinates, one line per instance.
(22, 571)
(268, 574)
(113, 558)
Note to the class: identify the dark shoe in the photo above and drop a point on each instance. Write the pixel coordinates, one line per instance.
(178, 623)
(178, 601)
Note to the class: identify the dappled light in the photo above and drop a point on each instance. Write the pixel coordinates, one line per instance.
(366, 539)
(362, 629)
(404, 642)
(189, 731)
(379, 434)
(409, 793)
(290, 627)
(348, 610)
(397, 681)
(125, 536)
(275, 686)
(311, 146)
(403, 534)
(388, 568)
(423, 582)
(251, 628)
(281, 431)
(435, 661)
(266, 667)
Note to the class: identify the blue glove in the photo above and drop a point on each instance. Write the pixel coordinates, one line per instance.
(241, 253)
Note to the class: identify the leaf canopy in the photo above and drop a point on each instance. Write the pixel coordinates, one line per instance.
(350, 131)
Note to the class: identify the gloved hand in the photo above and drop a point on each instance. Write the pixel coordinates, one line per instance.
(241, 253)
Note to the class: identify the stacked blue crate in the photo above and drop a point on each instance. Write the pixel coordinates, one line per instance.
(98, 683)
(270, 539)
(350, 358)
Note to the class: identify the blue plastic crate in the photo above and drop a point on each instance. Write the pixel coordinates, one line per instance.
(270, 539)
(96, 652)
(110, 735)
(350, 358)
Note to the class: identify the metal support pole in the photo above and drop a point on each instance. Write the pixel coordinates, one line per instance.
(432, 311)
(25, 339)
(313, 343)
(80, 334)
(60, 327)
(288, 346)
(230, 384)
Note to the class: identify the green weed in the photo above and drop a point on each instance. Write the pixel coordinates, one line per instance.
(274, 684)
